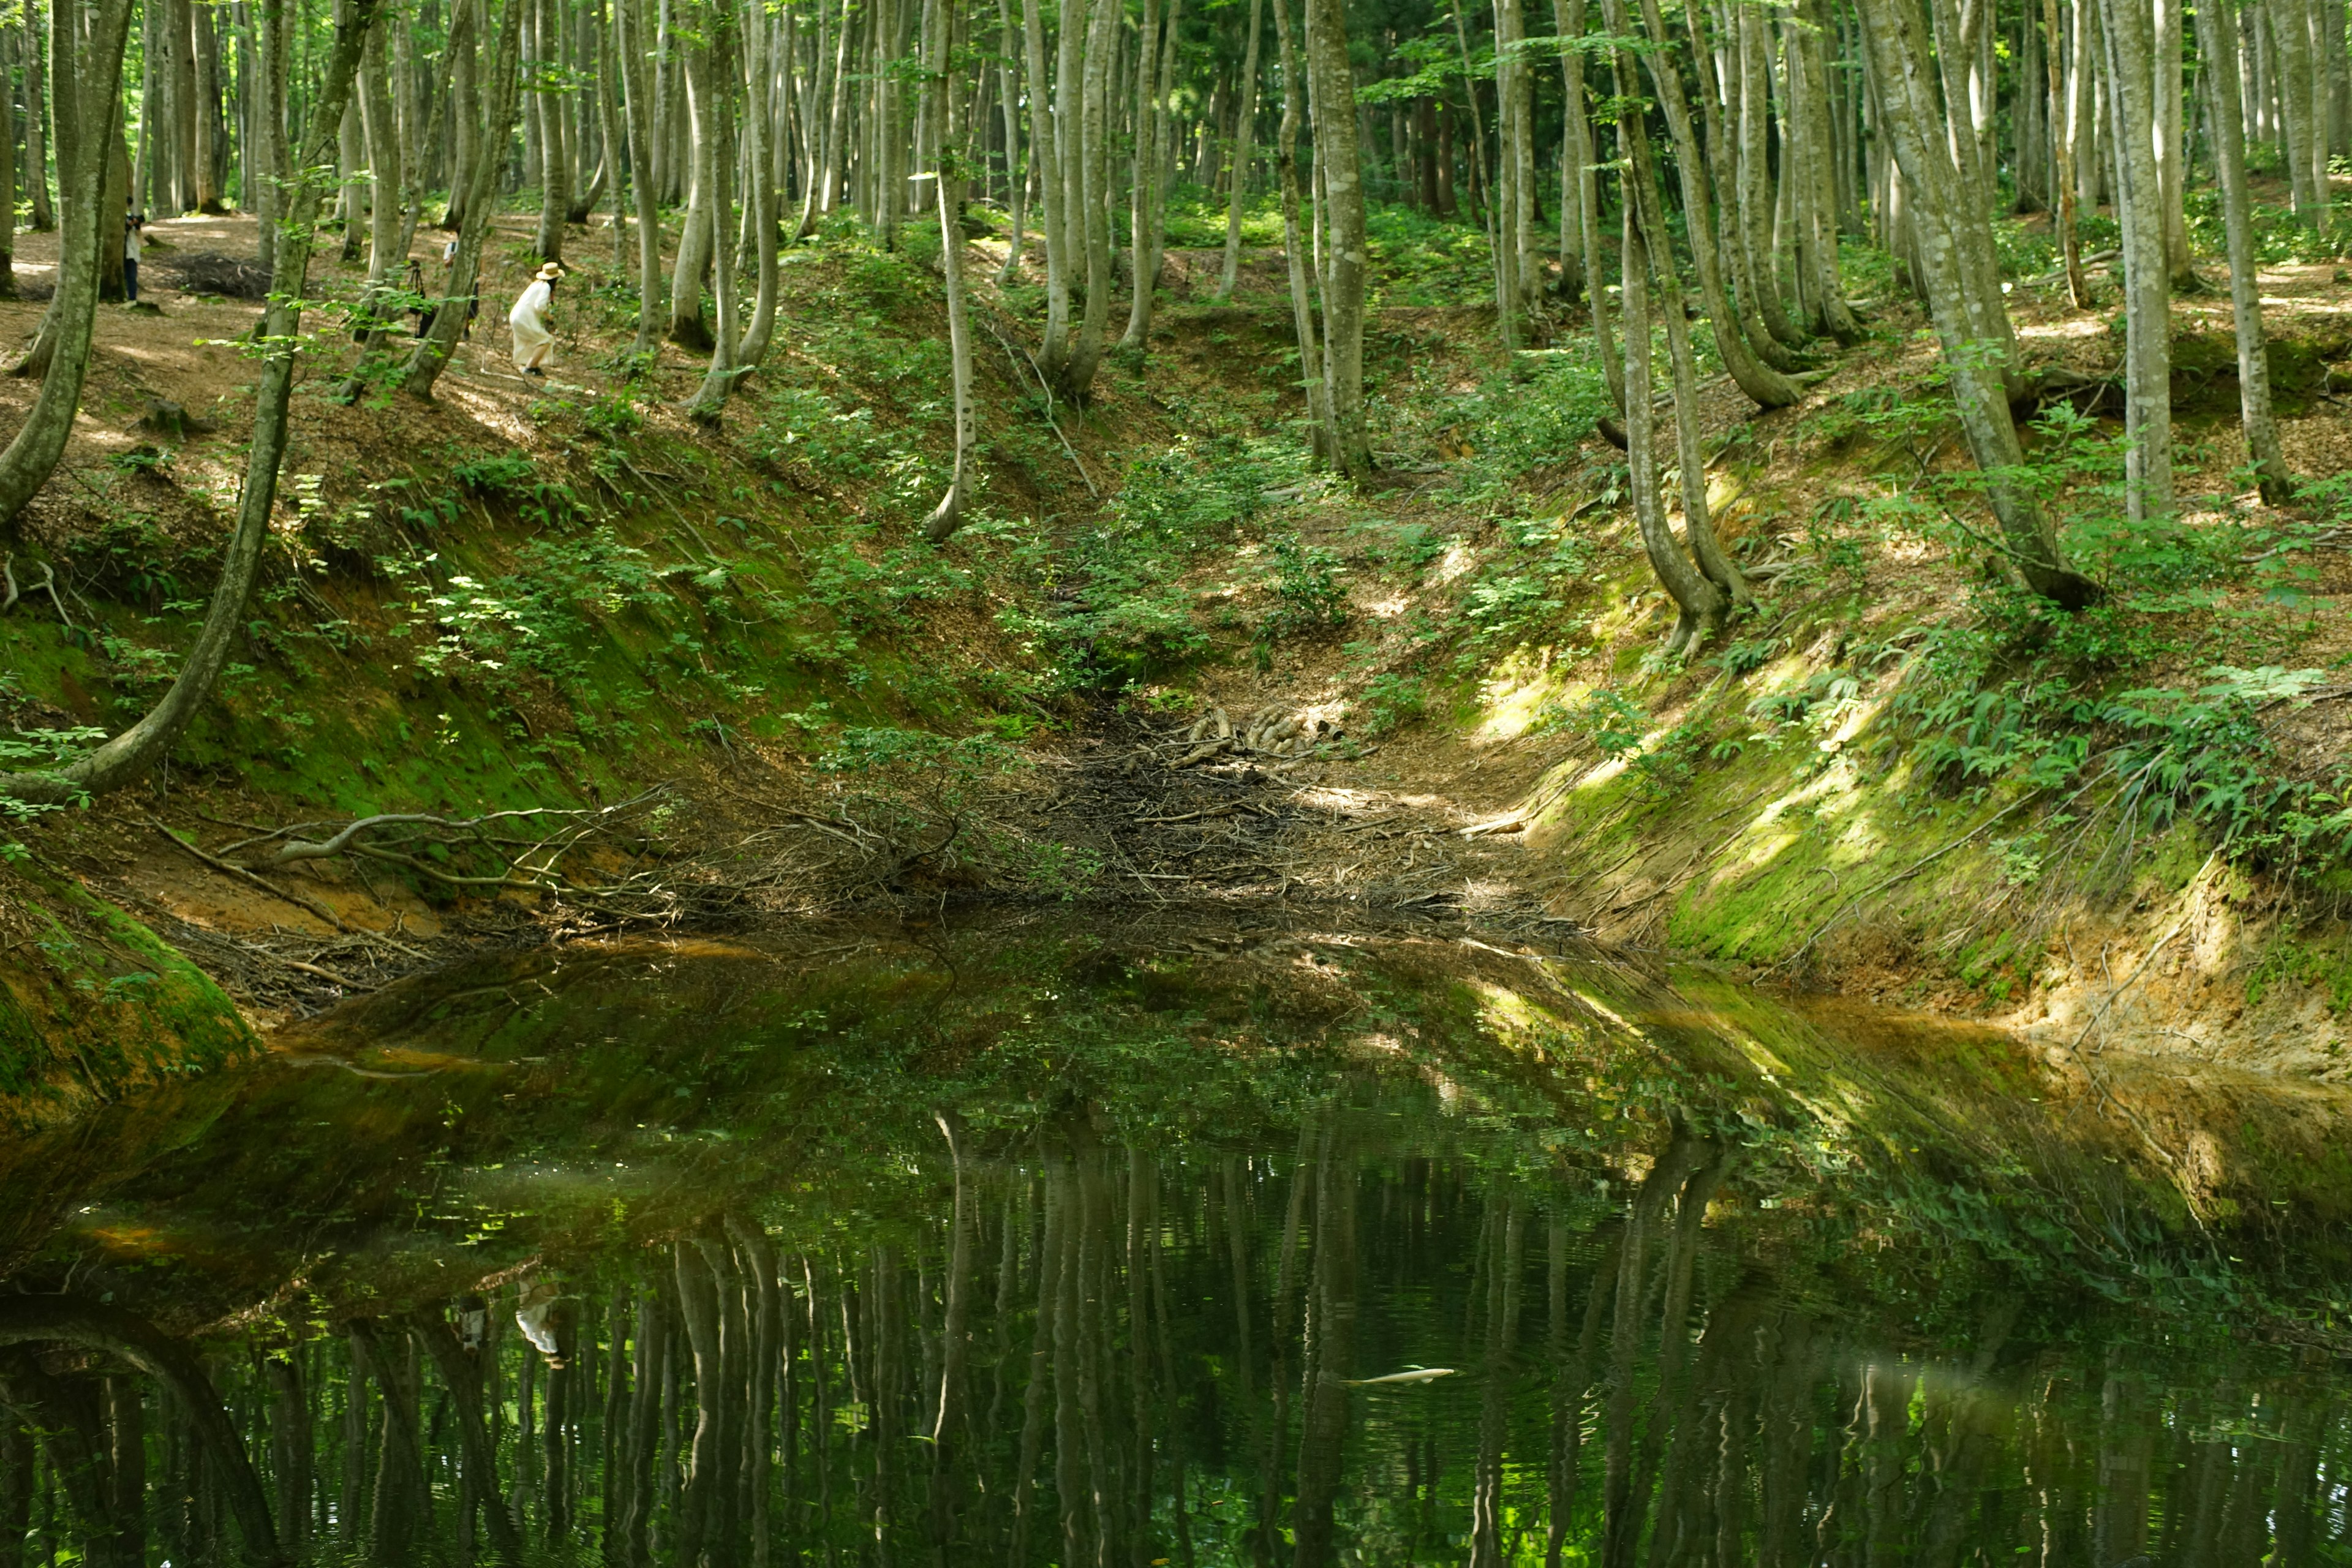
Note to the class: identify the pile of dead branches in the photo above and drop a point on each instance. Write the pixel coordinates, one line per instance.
(1270, 733)
(602, 860)
(210, 273)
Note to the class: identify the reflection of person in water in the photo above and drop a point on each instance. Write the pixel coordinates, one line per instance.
(545, 1319)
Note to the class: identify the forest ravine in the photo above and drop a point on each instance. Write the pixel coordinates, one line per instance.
(924, 587)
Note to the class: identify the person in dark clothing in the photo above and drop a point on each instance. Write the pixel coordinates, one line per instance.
(133, 222)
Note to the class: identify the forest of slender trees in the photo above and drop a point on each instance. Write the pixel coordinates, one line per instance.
(1103, 1358)
(1686, 178)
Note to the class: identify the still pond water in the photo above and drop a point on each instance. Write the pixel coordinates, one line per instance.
(1184, 1243)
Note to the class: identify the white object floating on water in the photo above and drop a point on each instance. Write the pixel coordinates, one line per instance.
(1417, 1374)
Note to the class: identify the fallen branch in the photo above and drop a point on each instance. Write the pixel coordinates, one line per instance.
(243, 875)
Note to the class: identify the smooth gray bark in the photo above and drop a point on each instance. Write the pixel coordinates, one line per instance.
(2216, 39)
(1302, 296)
(1245, 130)
(1346, 261)
(2147, 272)
(1977, 353)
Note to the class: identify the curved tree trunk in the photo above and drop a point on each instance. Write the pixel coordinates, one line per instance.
(944, 87)
(1697, 601)
(1767, 387)
(1976, 352)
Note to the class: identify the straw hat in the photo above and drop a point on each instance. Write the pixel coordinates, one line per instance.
(550, 272)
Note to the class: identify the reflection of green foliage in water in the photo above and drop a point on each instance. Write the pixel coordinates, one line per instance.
(1142, 1121)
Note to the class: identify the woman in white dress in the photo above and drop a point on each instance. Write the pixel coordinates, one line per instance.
(533, 344)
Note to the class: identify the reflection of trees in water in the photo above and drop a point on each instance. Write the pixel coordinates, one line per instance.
(1108, 1358)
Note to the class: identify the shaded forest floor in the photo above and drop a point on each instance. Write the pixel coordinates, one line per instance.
(1165, 661)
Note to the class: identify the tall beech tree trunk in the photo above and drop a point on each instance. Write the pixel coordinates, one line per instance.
(941, 87)
(2064, 133)
(630, 32)
(2217, 41)
(709, 88)
(2132, 68)
(37, 98)
(1046, 152)
(1245, 130)
(1092, 187)
(1977, 353)
(1577, 145)
(1347, 261)
(547, 69)
(1573, 179)
(1322, 438)
(1142, 198)
(128, 756)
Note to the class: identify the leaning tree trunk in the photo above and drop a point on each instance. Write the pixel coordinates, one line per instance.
(130, 754)
(88, 69)
(2148, 273)
(1690, 455)
(2217, 40)
(1697, 600)
(1894, 33)
(498, 111)
(1766, 386)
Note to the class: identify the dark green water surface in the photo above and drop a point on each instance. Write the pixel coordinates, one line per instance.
(1062, 1243)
